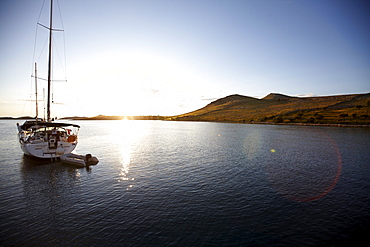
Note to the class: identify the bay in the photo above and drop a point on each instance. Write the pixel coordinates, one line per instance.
(162, 183)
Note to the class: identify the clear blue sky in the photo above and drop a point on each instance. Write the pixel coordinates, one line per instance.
(167, 57)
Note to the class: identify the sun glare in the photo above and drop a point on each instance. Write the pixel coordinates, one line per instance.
(131, 83)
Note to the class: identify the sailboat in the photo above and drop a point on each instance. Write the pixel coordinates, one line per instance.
(44, 138)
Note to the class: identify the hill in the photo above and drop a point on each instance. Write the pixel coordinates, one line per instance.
(13, 118)
(279, 108)
(103, 117)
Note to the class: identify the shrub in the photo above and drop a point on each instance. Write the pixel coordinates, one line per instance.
(311, 120)
(279, 119)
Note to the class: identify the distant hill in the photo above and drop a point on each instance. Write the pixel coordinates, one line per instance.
(103, 117)
(352, 109)
(278, 96)
(12, 118)
(279, 108)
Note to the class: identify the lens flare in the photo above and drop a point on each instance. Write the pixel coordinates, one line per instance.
(305, 170)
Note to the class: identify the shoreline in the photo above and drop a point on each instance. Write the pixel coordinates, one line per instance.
(272, 123)
(320, 125)
(143, 118)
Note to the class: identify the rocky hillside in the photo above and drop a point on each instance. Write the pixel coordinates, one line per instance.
(279, 108)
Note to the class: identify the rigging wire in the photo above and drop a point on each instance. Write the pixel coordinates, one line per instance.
(63, 67)
(36, 35)
(64, 40)
(33, 60)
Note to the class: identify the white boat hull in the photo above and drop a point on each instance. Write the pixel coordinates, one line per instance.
(42, 150)
(47, 140)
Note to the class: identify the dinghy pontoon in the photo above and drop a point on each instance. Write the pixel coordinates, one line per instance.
(79, 160)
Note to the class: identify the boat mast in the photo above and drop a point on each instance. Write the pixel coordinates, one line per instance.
(43, 100)
(49, 66)
(37, 106)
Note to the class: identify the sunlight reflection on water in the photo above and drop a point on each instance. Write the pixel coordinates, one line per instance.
(130, 133)
(252, 144)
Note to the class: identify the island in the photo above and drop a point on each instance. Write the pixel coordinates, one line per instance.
(275, 108)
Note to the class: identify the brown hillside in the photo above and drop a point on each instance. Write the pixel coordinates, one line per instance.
(277, 96)
(344, 109)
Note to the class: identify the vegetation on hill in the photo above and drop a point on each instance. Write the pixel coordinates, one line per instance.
(278, 108)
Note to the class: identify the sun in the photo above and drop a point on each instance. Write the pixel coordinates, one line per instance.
(131, 83)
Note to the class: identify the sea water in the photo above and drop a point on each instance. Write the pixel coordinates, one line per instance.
(161, 183)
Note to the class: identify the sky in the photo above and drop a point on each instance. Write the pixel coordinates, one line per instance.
(169, 57)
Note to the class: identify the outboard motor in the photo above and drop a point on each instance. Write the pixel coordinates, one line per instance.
(87, 158)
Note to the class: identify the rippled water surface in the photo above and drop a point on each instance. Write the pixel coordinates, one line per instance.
(190, 184)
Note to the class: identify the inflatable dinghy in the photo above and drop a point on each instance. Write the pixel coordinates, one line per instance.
(79, 160)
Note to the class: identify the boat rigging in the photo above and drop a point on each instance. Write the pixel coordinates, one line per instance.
(44, 138)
